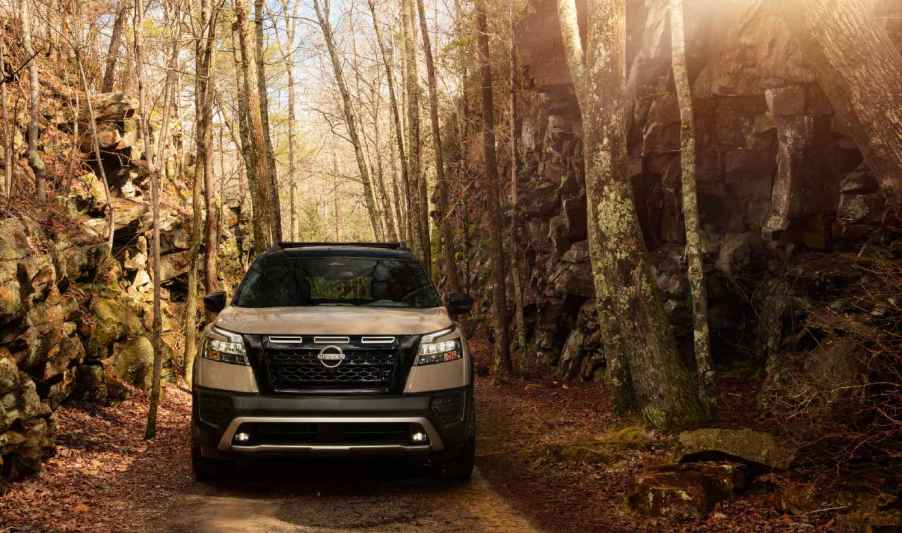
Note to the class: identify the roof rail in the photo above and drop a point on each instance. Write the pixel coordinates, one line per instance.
(387, 245)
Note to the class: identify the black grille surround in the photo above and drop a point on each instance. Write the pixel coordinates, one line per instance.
(294, 368)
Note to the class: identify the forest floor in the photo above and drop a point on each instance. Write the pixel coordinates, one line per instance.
(531, 475)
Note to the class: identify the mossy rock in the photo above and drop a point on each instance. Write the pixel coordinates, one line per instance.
(132, 362)
(112, 320)
(686, 491)
(745, 444)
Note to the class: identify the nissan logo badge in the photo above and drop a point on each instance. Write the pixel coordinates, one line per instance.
(331, 356)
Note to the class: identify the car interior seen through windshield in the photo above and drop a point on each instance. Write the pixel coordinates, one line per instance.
(285, 281)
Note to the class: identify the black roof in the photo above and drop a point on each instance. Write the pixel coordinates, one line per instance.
(358, 249)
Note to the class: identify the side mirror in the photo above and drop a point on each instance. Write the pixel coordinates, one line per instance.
(215, 301)
(459, 304)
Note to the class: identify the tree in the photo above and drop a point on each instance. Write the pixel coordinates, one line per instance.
(396, 117)
(112, 54)
(204, 43)
(700, 332)
(7, 128)
(492, 198)
(417, 218)
(151, 428)
(860, 69)
(441, 181)
(264, 221)
(205, 54)
(290, 30)
(517, 247)
(322, 15)
(264, 116)
(643, 363)
(34, 104)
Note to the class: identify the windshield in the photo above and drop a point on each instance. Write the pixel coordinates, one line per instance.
(292, 281)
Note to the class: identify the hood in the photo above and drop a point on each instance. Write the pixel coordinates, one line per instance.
(332, 320)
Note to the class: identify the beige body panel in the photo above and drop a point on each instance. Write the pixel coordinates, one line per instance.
(332, 320)
(225, 376)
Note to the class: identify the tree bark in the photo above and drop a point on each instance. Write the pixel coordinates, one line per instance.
(34, 104)
(264, 114)
(860, 69)
(205, 53)
(700, 332)
(290, 26)
(112, 55)
(387, 216)
(156, 382)
(7, 128)
(441, 180)
(264, 216)
(396, 117)
(322, 14)
(517, 247)
(493, 198)
(415, 215)
(645, 369)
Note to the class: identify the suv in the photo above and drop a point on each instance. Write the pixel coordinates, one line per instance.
(334, 350)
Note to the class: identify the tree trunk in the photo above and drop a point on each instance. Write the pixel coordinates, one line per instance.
(700, 333)
(34, 104)
(441, 181)
(322, 14)
(493, 198)
(264, 216)
(156, 384)
(291, 24)
(205, 53)
(390, 231)
(517, 246)
(643, 362)
(7, 127)
(112, 55)
(276, 207)
(415, 215)
(860, 69)
(396, 117)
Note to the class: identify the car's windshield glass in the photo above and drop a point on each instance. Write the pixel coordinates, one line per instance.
(288, 281)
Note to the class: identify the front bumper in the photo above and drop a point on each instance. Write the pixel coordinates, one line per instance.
(444, 416)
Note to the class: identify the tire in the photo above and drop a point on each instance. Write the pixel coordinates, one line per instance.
(206, 470)
(459, 469)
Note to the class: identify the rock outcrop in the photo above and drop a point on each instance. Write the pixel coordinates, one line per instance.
(745, 444)
(777, 172)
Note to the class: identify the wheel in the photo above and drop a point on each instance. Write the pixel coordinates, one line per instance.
(459, 469)
(205, 469)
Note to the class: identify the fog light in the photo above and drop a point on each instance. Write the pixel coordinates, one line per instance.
(418, 436)
(242, 437)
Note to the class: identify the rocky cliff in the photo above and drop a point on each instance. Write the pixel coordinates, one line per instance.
(778, 175)
(75, 321)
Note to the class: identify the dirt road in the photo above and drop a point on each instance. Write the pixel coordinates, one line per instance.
(320, 498)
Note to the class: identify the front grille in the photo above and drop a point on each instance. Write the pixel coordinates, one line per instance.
(300, 369)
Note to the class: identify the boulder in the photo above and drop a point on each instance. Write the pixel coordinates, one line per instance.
(132, 362)
(745, 444)
(686, 491)
(111, 320)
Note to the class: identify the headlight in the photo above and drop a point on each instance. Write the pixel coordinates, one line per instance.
(432, 351)
(225, 347)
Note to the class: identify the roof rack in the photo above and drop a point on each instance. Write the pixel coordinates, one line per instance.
(386, 245)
